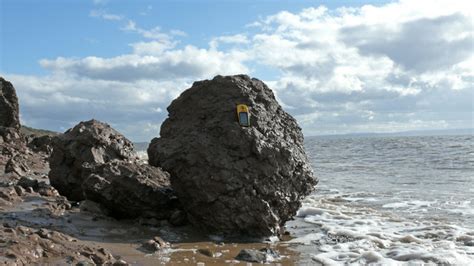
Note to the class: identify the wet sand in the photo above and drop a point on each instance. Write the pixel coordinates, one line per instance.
(123, 239)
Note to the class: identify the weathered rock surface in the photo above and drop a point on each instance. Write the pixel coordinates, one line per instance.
(23, 245)
(233, 179)
(130, 190)
(88, 142)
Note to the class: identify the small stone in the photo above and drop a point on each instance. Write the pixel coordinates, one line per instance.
(43, 233)
(206, 252)
(84, 263)
(27, 182)
(120, 263)
(19, 190)
(260, 256)
(151, 245)
(469, 243)
(251, 255)
(161, 242)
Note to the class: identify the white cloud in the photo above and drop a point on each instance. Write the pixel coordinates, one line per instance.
(380, 60)
(189, 62)
(155, 33)
(151, 48)
(400, 66)
(58, 101)
(229, 39)
(104, 15)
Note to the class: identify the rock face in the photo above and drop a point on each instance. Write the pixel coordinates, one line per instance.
(9, 110)
(130, 190)
(88, 142)
(9, 113)
(233, 179)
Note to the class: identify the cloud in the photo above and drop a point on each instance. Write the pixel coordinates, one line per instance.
(420, 45)
(399, 66)
(229, 39)
(104, 15)
(154, 33)
(152, 48)
(189, 62)
(59, 101)
(366, 68)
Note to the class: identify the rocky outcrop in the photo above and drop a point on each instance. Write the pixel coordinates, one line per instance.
(9, 110)
(9, 113)
(233, 179)
(90, 142)
(129, 190)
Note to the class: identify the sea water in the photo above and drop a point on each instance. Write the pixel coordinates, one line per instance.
(388, 200)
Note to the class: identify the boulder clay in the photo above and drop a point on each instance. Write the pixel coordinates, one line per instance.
(232, 179)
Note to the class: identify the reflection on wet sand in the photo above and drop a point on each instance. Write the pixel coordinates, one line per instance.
(123, 239)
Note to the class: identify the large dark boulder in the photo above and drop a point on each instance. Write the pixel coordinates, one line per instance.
(129, 190)
(90, 142)
(233, 179)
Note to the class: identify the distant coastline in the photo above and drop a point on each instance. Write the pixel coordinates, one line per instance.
(434, 132)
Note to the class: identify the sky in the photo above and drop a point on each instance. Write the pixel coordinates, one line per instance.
(337, 66)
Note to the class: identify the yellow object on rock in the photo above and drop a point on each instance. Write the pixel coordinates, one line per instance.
(243, 115)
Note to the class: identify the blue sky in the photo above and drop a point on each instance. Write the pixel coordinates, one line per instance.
(337, 66)
(34, 30)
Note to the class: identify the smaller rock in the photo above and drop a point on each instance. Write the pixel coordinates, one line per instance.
(20, 191)
(206, 252)
(43, 233)
(41, 144)
(101, 256)
(84, 263)
(151, 246)
(161, 242)
(17, 164)
(27, 182)
(90, 142)
(263, 255)
(120, 263)
(155, 244)
(46, 190)
(9, 194)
